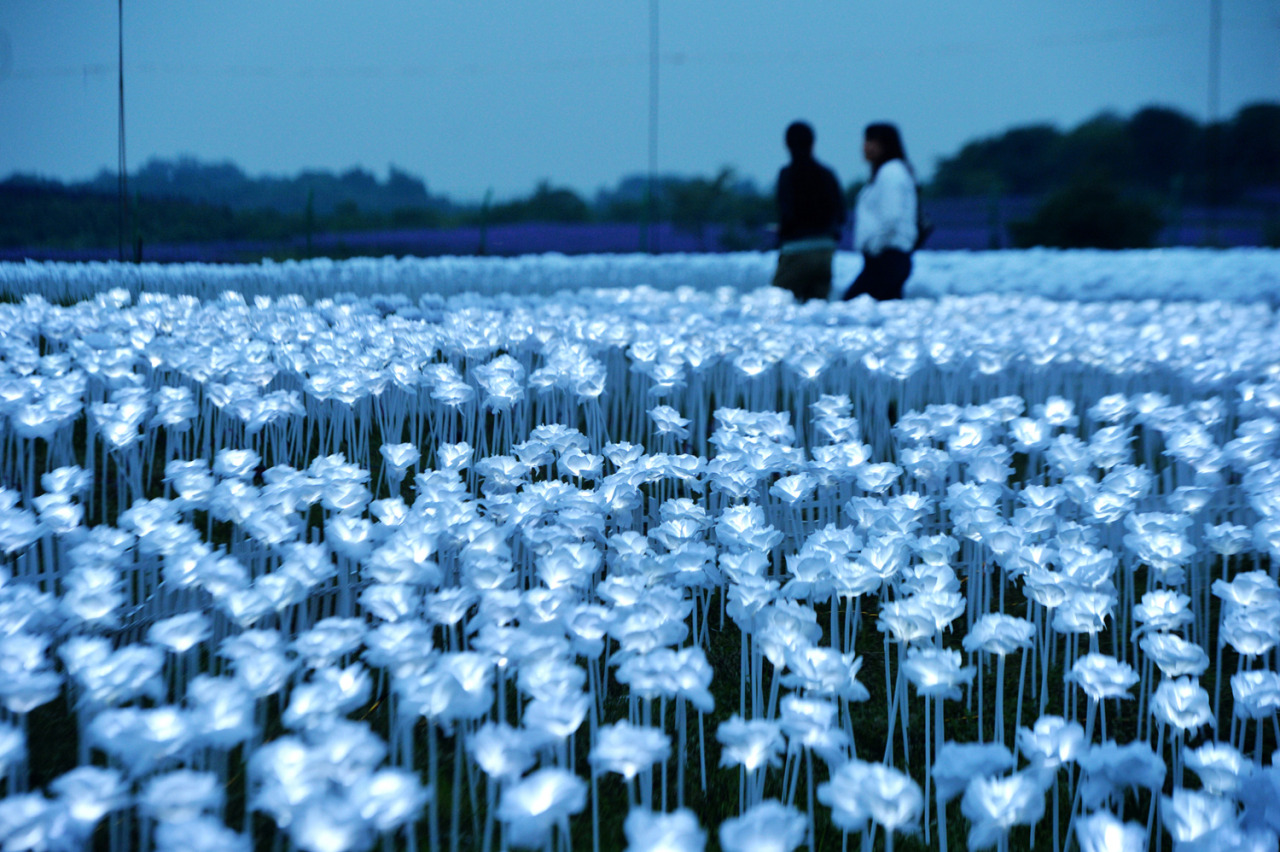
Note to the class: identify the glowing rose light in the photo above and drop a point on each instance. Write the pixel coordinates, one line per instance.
(936, 673)
(1174, 655)
(1102, 677)
(1181, 703)
(203, 834)
(812, 723)
(654, 832)
(628, 749)
(750, 743)
(1109, 769)
(1051, 742)
(181, 633)
(531, 807)
(1222, 769)
(1191, 816)
(769, 826)
(390, 798)
(994, 806)
(957, 763)
(86, 794)
(1164, 610)
(180, 796)
(502, 751)
(1102, 832)
(892, 799)
(1256, 693)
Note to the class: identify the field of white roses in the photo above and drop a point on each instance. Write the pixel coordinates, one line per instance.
(632, 552)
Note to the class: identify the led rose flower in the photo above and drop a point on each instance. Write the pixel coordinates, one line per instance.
(1221, 768)
(844, 794)
(1256, 693)
(181, 633)
(653, 832)
(1102, 832)
(958, 763)
(1194, 817)
(203, 834)
(1000, 634)
(1102, 677)
(751, 743)
(892, 800)
(1174, 655)
(399, 458)
(180, 796)
(994, 806)
(824, 671)
(1109, 769)
(531, 807)
(1227, 539)
(627, 749)
(1051, 742)
(770, 826)
(87, 794)
(936, 672)
(390, 798)
(1163, 610)
(502, 751)
(811, 723)
(1181, 703)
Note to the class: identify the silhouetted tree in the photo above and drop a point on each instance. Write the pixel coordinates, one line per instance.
(696, 203)
(1021, 161)
(547, 204)
(1089, 213)
(1253, 147)
(1157, 150)
(1099, 147)
(1163, 142)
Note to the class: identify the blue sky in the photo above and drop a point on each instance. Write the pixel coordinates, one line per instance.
(475, 95)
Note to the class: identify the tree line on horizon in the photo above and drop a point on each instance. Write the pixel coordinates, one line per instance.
(1109, 179)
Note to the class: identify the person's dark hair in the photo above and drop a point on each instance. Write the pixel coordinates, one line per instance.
(890, 141)
(800, 139)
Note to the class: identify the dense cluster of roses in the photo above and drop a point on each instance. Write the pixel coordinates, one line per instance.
(237, 532)
(1241, 275)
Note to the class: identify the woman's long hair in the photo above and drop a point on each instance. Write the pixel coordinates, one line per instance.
(890, 141)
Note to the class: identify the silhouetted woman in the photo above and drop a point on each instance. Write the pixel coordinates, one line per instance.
(884, 227)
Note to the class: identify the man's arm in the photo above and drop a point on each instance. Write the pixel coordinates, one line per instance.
(840, 212)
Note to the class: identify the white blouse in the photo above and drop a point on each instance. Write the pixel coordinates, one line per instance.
(885, 215)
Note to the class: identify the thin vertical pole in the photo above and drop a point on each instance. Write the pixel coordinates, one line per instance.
(651, 200)
(1215, 56)
(1213, 139)
(122, 174)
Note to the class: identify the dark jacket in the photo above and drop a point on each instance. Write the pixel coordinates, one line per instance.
(810, 203)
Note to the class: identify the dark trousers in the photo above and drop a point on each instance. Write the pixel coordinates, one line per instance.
(807, 273)
(882, 275)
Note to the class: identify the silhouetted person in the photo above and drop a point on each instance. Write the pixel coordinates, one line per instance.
(884, 219)
(811, 217)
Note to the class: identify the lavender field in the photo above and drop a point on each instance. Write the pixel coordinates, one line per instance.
(635, 552)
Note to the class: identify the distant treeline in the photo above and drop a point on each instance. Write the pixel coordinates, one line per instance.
(1114, 174)
(1157, 151)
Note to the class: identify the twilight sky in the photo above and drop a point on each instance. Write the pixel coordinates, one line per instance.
(474, 95)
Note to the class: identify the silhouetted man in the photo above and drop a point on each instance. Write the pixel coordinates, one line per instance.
(811, 217)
